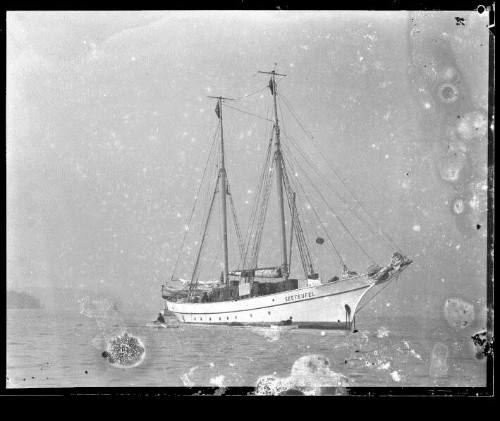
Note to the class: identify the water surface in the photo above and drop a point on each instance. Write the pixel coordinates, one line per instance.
(64, 349)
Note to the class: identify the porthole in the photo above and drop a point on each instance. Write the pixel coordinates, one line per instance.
(235, 317)
(227, 318)
(210, 318)
(269, 312)
(251, 315)
(219, 318)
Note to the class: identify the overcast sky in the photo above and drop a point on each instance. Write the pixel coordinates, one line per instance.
(109, 127)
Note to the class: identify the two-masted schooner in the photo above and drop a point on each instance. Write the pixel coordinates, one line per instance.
(253, 295)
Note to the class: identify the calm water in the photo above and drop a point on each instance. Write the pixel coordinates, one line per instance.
(65, 350)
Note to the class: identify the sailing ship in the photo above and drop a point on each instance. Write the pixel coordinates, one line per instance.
(272, 295)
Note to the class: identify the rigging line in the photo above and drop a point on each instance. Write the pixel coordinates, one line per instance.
(378, 292)
(216, 257)
(301, 236)
(194, 205)
(269, 127)
(209, 203)
(249, 95)
(210, 188)
(219, 248)
(342, 262)
(262, 218)
(247, 112)
(300, 231)
(235, 221)
(330, 186)
(253, 215)
(377, 227)
(297, 119)
(290, 243)
(374, 224)
(196, 265)
(331, 166)
(255, 207)
(238, 230)
(302, 240)
(339, 256)
(335, 215)
(290, 108)
(212, 177)
(305, 256)
(304, 156)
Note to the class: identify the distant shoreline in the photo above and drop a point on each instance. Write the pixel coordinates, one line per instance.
(19, 300)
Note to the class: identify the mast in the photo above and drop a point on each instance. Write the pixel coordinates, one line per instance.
(279, 173)
(223, 188)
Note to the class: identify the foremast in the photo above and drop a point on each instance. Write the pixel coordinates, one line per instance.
(223, 187)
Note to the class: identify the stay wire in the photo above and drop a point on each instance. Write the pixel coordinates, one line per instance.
(253, 213)
(262, 217)
(378, 292)
(251, 94)
(331, 188)
(194, 205)
(263, 176)
(335, 214)
(248, 112)
(194, 282)
(302, 241)
(329, 207)
(301, 236)
(331, 166)
(286, 158)
(235, 222)
(297, 119)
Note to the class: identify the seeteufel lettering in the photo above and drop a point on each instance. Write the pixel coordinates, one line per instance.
(299, 296)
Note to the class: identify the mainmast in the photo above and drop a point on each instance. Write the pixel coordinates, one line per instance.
(223, 187)
(279, 173)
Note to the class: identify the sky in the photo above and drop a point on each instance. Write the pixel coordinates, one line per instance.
(109, 128)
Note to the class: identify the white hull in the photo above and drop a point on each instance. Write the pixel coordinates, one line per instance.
(331, 305)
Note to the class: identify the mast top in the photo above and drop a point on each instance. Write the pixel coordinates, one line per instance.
(221, 97)
(273, 72)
